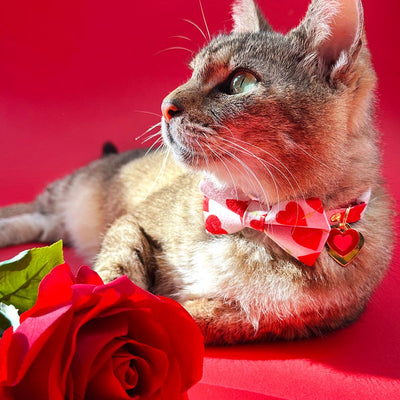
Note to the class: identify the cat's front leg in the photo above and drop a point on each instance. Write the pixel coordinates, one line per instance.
(125, 250)
(220, 322)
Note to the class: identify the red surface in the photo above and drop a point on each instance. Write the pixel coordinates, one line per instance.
(74, 74)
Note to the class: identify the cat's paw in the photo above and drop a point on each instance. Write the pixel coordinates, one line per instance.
(112, 265)
(124, 251)
(12, 231)
(220, 322)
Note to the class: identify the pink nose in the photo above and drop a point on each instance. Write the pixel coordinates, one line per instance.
(169, 110)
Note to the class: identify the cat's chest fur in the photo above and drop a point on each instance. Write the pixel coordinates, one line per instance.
(168, 205)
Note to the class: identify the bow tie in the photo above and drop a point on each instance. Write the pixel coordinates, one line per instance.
(300, 227)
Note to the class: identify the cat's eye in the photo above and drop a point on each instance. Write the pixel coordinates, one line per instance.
(241, 81)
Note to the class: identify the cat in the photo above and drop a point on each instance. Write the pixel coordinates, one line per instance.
(282, 119)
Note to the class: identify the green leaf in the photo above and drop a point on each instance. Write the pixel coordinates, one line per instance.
(20, 276)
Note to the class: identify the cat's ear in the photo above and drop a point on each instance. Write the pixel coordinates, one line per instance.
(247, 17)
(334, 30)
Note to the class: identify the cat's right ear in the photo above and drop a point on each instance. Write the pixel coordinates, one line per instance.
(247, 17)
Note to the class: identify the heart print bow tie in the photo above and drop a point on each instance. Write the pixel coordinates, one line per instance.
(300, 227)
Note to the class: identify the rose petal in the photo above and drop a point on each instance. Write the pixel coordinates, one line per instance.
(94, 338)
(151, 365)
(88, 276)
(165, 322)
(145, 328)
(5, 394)
(189, 348)
(30, 338)
(39, 366)
(125, 288)
(90, 341)
(105, 385)
(4, 346)
(54, 291)
(172, 386)
(124, 369)
(98, 339)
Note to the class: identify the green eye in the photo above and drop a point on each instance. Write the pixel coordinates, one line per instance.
(241, 82)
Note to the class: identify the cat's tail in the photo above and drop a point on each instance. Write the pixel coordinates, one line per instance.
(26, 223)
(17, 209)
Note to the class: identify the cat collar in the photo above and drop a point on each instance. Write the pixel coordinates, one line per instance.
(300, 227)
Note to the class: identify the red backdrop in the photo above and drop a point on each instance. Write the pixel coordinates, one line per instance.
(76, 73)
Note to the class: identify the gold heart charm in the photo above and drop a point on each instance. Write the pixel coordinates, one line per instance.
(343, 245)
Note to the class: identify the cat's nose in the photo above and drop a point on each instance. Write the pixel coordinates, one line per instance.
(169, 109)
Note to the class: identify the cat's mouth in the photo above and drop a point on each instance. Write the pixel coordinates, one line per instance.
(186, 150)
(180, 150)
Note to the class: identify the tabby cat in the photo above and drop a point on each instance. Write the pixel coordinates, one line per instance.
(276, 121)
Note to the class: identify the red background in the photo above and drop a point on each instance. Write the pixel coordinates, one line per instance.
(76, 73)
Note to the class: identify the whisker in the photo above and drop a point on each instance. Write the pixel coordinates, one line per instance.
(173, 48)
(197, 27)
(181, 37)
(159, 148)
(280, 163)
(257, 147)
(310, 155)
(148, 112)
(227, 169)
(204, 19)
(204, 153)
(248, 170)
(152, 137)
(160, 173)
(206, 158)
(147, 131)
(263, 162)
(257, 180)
(223, 127)
(153, 145)
(259, 159)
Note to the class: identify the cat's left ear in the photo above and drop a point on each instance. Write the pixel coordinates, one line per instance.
(247, 17)
(334, 30)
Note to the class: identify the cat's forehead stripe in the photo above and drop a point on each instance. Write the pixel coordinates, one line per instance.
(215, 61)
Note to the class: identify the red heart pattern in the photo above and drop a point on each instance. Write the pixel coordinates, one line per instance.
(343, 242)
(292, 215)
(316, 204)
(213, 225)
(310, 238)
(309, 259)
(258, 224)
(237, 206)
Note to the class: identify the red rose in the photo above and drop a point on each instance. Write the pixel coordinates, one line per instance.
(86, 340)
